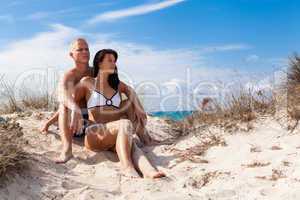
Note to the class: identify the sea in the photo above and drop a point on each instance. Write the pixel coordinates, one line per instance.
(173, 115)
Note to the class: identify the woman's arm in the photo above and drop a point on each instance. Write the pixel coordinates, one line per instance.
(140, 115)
(132, 96)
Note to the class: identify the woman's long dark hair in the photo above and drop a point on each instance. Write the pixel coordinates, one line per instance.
(113, 79)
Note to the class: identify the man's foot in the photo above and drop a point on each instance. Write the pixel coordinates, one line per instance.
(64, 157)
(154, 174)
(44, 128)
(130, 172)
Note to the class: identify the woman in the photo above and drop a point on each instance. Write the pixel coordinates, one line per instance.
(109, 125)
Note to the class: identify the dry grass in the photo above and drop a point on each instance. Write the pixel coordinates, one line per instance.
(43, 101)
(10, 105)
(292, 87)
(247, 105)
(204, 179)
(257, 164)
(276, 174)
(28, 99)
(192, 154)
(286, 163)
(236, 113)
(12, 155)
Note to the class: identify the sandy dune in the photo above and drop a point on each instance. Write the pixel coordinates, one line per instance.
(259, 164)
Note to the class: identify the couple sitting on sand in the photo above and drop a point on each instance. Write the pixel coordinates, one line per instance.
(92, 105)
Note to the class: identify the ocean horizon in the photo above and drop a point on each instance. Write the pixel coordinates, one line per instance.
(173, 115)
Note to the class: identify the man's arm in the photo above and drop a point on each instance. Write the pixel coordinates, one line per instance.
(66, 89)
(76, 115)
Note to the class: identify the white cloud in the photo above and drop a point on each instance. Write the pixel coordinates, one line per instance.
(133, 11)
(227, 47)
(278, 62)
(54, 14)
(39, 15)
(252, 58)
(137, 62)
(47, 49)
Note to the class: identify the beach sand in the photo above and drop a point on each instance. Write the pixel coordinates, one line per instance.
(259, 164)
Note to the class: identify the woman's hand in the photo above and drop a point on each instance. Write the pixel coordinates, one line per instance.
(76, 121)
(140, 115)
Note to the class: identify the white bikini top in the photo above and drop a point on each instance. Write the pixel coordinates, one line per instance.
(98, 100)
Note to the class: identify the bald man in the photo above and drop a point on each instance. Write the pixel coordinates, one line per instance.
(80, 54)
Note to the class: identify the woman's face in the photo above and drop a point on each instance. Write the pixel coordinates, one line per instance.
(108, 64)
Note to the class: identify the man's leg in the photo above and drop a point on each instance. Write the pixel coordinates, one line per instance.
(65, 133)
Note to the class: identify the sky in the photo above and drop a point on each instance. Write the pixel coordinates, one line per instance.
(165, 44)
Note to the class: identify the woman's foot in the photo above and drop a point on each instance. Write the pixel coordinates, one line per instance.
(130, 172)
(154, 174)
(64, 157)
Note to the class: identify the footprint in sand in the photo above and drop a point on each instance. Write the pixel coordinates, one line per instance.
(275, 147)
(268, 191)
(255, 149)
(72, 185)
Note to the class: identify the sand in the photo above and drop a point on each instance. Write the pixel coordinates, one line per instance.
(262, 163)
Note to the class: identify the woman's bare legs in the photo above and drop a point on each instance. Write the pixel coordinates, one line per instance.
(118, 133)
(124, 147)
(143, 164)
(139, 158)
(130, 155)
(52, 120)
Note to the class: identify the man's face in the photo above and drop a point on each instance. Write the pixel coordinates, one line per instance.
(80, 52)
(109, 63)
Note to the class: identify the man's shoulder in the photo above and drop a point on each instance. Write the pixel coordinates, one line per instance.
(69, 75)
(87, 79)
(70, 72)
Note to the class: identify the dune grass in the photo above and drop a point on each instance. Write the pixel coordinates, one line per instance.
(12, 155)
(243, 107)
(27, 100)
(292, 87)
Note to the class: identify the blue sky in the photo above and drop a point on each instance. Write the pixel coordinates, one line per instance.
(267, 26)
(213, 37)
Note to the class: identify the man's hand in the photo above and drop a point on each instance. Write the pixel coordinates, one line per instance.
(76, 121)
